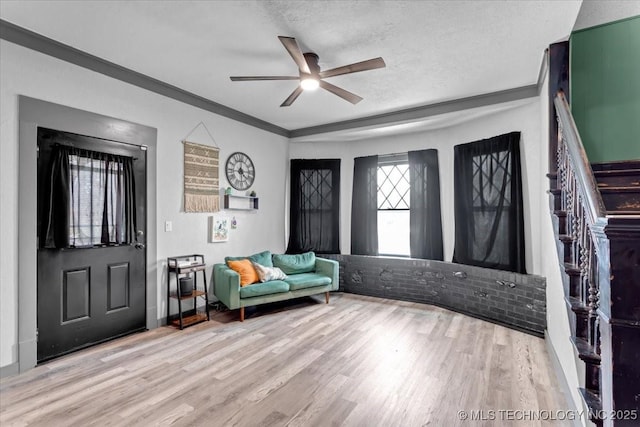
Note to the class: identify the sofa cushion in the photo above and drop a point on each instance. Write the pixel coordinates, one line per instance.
(306, 280)
(268, 273)
(294, 264)
(266, 288)
(244, 268)
(262, 258)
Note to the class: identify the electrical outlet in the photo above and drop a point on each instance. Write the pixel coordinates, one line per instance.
(168, 226)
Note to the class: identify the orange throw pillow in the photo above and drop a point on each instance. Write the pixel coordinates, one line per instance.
(245, 269)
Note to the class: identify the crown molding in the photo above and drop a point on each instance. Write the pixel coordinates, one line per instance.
(416, 113)
(31, 40)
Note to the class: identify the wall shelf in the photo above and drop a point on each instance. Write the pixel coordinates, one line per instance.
(246, 203)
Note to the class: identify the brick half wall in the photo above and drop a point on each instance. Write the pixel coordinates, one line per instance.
(510, 299)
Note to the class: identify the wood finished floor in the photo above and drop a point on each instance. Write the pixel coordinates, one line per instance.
(358, 361)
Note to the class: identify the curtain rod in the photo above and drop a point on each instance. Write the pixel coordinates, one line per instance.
(87, 150)
(393, 158)
(383, 156)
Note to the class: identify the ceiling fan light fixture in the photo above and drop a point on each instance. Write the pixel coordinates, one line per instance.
(311, 77)
(309, 83)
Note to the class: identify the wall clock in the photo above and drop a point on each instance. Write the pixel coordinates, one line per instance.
(240, 171)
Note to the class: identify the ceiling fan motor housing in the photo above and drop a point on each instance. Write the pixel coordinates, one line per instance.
(312, 61)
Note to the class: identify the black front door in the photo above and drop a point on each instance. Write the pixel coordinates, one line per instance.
(89, 290)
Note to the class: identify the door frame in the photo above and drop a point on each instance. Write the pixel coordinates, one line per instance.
(34, 113)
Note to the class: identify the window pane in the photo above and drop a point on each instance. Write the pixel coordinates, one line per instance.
(393, 232)
(86, 201)
(316, 189)
(484, 250)
(491, 173)
(393, 186)
(95, 187)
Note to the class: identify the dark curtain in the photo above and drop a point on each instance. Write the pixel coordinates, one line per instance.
(424, 215)
(364, 206)
(89, 200)
(55, 217)
(314, 218)
(488, 204)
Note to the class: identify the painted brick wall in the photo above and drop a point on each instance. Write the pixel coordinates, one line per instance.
(510, 299)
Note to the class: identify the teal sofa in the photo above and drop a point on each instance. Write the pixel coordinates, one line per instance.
(306, 275)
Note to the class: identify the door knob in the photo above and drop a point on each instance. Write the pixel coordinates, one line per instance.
(140, 245)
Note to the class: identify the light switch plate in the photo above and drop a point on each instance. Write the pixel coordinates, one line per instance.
(168, 226)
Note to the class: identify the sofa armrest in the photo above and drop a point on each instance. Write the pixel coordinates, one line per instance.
(226, 284)
(329, 268)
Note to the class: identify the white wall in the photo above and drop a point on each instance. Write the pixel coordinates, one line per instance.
(26, 72)
(598, 12)
(523, 118)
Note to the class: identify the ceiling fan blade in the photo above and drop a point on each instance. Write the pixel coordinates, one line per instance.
(251, 78)
(296, 93)
(370, 64)
(294, 50)
(344, 94)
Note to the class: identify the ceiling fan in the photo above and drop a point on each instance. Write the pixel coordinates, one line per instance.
(310, 75)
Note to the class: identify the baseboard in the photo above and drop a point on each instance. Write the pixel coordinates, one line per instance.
(27, 353)
(10, 370)
(152, 322)
(562, 381)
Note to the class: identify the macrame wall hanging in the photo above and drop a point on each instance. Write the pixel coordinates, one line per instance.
(201, 168)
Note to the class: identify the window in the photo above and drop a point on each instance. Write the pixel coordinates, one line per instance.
(488, 204)
(95, 194)
(89, 199)
(393, 207)
(315, 206)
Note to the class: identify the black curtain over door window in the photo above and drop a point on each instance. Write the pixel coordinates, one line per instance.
(364, 206)
(88, 200)
(488, 204)
(54, 226)
(425, 217)
(315, 206)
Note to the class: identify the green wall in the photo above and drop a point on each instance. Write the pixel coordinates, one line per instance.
(605, 89)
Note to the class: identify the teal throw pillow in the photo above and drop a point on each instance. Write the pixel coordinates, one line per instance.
(262, 258)
(294, 264)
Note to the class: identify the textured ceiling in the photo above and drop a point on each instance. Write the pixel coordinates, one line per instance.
(434, 50)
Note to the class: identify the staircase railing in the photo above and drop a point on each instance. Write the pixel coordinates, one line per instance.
(569, 138)
(582, 218)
